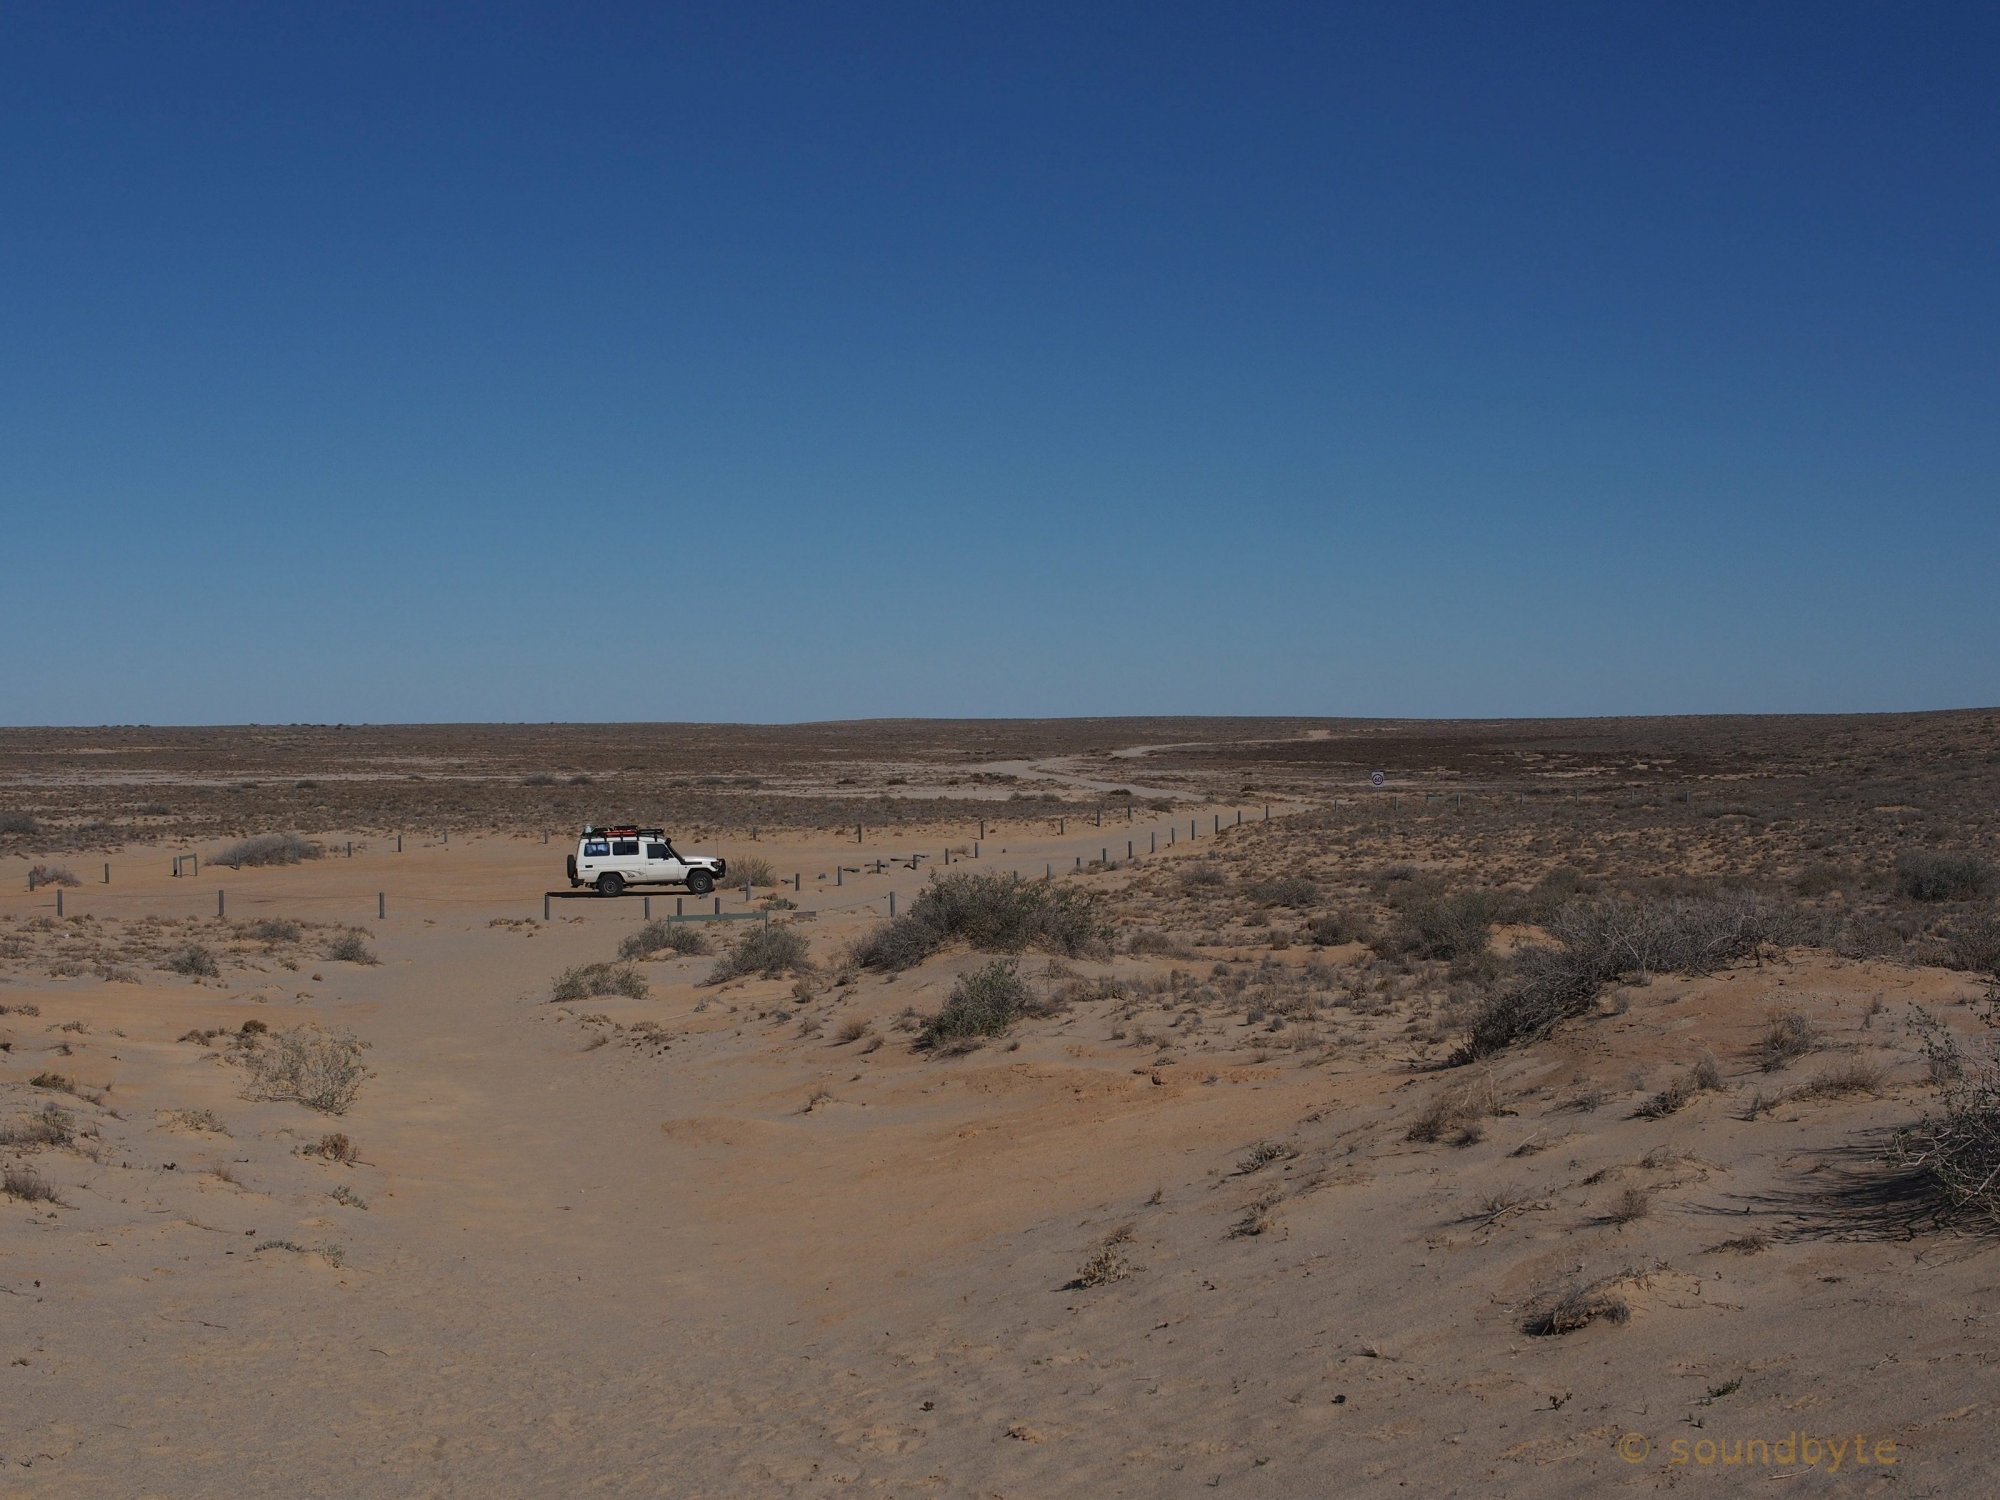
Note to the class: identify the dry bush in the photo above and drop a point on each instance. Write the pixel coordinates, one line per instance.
(1788, 1036)
(268, 849)
(1455, 1113)
(1974, 945)
(1296, 891)
(992, 913)
(1704, 1077)
(1109, 1262)
(1332, 929)
(1596, 942)
(1572, 1307)
(679, 938)
(1930, 875)
(52, 1125)
(319, 1069)
(1957, 1143)
(982, 1004)
(333, 1147)
(18, 823)
(42, 875)
(27, 1185)
(1858, 1075)
(588, 980)
(1631, 1203)
(752, 869)
(1457, 928)
(351, 947)
(195, 961)
(768, 950)
(275, 930)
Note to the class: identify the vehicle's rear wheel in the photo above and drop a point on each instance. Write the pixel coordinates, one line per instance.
(701, 883)
(610, 885)
(570, 865)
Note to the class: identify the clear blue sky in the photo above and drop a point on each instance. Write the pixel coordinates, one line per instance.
(390, 362)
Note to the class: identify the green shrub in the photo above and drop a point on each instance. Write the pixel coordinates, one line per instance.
(991, 913)
(588, 980)
(1928, 875)
(767, 950)
(983, 1003)
(665, 937)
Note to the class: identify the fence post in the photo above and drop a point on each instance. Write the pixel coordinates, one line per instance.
(1155, 849)
(753, 833)
(218, 903)
(1128, 848)
(1104, 856)
(677, 904)
(382, 904)
(1267, 812)
(798, 882)
(982, 830)
(1048, 873)
(545, 906)
(1191, 832)
(1079, 861)
(718, 906)
(746, 896)
(350, 848)
(1062, 827)
(646, 908)
(107, 874)
(399, 843)
(194, 864)
(857, 833)
(58, 900)
(1239, 817)
(837, 873)
(975, 848)
(447, 838)
(892, 904)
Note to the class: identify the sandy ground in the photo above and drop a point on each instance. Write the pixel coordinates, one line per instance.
(730, 1240)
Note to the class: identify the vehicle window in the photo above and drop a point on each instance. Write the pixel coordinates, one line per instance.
(625, 846)
(656, 851)
(595, 848)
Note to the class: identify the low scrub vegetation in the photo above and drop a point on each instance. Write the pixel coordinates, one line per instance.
(752, 869)
(991, 913)
(1957, 1143)
(1597, 942)
(42, 875)
(768, 951)
(587, 981)
(1928, 875)
(195, 961)
(351, 947)
(27, 1185)
(267, 849)
(983, 1004)
(656, 938)
(319, 1069)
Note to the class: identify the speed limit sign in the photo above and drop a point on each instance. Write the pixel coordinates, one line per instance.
(1376, 778)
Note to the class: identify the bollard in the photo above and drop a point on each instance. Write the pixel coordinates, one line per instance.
(58, 900)
(975, 845)
(218, 903)
(399, 843)
(1048, 872)
(718, 906)
(892, 904)
(107, 874)
(1155, 843)
(382, 904)
(646, 908)
(1062, 826)
(545, 906)
(1239, 817)
(1128, 848)
(677, 905)
(798, 881)
(837, 873)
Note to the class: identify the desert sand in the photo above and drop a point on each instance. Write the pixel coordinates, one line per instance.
(1223, 1213)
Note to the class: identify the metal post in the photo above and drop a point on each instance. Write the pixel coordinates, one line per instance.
(837, 873)
(947, 854)
(1128, 848)
(218, 903)
(1155, 846)
(975, 848)
(1239, 817)
(1062, 827)
(545, 906)
(1218, 822)
(58, 900)
(982, 830)
(1191, 833)
(746, 896)
(1104, 856)
(194, 864)
(798, 881)
(677, 905)
(382, 904)
(107, 874)
(718, 906)
(892, 903)
(1267, 812)
(399, 843)
(646, 908)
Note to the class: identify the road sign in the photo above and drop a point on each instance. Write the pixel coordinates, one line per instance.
(1376, 778)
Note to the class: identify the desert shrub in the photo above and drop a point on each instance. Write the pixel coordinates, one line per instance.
(1456, 927)
(767, 950)
(664, 937)
(18, 823)
(51, 1126)
(1704, 1077)
(1788, 1036)
(1929, 875)
(28, 1186)
(351, 948)
(267, 849)
(1596, 942)
(1572, 1307)
(1821, 878)
(195, 961)
(1957, 1143)
(752, 869)
(1203, 875)
(275, 930)
(319, 1069)
(588, 980)
(983, 1003)
(1455, 1113)
(1295, 891)
(992, 913)
(1975, 945)
(1160, 944)
(1331, 929)
(52, 875)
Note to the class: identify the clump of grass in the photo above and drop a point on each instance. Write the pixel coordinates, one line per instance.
(195, 961)
(319, 1069)
(1456, 1113)
(1631, 1204)
(275, 930)
(852, 1030)
(268, 849)
(1931, 875)
(586, 981)
(1574, 1306)
(992, 913)
(334, 1146)
(1203, 875)
(207, 1121)
(665, 937)
(982, 1004)
(27, 1185)
(752, 869)
(1974, 945)
(52, 1125)
(56, 1083)
(351, 947)
(1703, 1078)
(768, 950)
(1858, 1075)
(1788, 1036)
(42, 875)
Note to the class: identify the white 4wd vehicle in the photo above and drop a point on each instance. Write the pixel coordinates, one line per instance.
(613, 858)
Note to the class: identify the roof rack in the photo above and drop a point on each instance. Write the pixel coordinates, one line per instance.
(622, 830)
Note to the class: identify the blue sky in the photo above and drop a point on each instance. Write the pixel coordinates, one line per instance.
(511, 362)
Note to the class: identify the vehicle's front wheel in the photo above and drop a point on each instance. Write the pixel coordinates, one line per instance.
(701, 882)
(610, 885)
